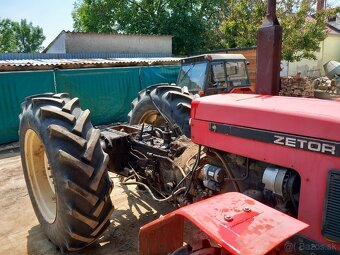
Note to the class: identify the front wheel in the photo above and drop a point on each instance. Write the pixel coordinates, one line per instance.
(65, 170)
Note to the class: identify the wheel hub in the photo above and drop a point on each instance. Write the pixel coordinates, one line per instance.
(40, 175)
(153, 118)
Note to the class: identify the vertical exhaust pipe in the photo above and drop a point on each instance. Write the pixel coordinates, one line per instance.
(269, 43)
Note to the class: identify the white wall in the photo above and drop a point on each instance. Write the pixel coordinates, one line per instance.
(59, 45)
(329, 50)
(92, 42)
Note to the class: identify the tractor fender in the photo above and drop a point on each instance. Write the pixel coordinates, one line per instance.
(238, 223)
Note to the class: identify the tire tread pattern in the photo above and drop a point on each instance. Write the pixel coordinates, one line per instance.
(67, 124)
(173, 101)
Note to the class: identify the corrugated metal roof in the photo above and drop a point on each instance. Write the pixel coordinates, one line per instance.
(8, 56)
(45, 64)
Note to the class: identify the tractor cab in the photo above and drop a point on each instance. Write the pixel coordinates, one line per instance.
(214, 74)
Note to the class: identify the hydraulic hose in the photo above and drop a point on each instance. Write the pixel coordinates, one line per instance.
(152, 195)
(193, 169)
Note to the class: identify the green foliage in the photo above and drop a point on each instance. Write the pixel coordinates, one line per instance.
(20, 36)
(191, 23)
(200, 25)
(29, 38)
(302, 34)
(239, 27)
(7, 36)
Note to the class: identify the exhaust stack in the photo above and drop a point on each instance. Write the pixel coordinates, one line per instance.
(269, 42)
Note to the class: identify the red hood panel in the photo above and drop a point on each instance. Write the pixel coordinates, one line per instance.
(301, 116)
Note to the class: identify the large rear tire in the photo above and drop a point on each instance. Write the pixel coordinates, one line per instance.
(65, 170)
(173, 102)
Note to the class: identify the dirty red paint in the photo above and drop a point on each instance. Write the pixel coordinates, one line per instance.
(283, 115)
(249, 202)
(254, 229)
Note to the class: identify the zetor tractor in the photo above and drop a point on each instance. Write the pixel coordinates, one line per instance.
(257, 170)
(202, 75)
(275, 158)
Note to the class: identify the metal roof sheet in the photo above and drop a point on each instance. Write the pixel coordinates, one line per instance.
(43, 64)
(105, 55)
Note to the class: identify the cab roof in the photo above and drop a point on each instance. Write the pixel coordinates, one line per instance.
(212, 57)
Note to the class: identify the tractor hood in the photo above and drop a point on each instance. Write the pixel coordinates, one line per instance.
(314, 118)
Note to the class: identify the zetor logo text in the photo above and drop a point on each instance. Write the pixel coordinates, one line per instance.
(305, 144)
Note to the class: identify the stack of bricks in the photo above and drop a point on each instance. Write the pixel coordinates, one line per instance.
(296, 87)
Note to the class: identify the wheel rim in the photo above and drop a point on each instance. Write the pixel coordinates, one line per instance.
(39, 173)
(153, 118)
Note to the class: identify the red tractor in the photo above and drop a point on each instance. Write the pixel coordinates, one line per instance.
(212, 74)
(201, 75)
(263, 169)
(281, 152)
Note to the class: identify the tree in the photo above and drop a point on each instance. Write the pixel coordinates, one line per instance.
(191, 23)
(7, 37)
(20, 36)
(200, 25)
(302, 30)
(240, 24)
(29, 38)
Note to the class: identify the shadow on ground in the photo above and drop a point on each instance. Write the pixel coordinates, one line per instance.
(122, 235)
(9, 153)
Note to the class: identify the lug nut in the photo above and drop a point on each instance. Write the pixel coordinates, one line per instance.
(246, 209)
(228, 218)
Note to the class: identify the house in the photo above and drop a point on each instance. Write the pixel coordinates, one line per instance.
(78, 42)
(329, 50)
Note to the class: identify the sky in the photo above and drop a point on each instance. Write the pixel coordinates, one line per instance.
(52, 15)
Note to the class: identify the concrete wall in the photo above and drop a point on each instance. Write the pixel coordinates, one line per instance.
(93, 42)
(58, 45)
(329, 50)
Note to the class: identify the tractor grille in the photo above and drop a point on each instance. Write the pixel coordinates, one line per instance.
(331, 217)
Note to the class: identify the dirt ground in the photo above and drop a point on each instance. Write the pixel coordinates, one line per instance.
(20, 232)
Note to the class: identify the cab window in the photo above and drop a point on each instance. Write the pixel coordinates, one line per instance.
(218, 75)
(193, 76)
(228, 74)
(236, 73)
(218, 72)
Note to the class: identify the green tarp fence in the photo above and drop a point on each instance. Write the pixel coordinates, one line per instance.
(107, 92)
